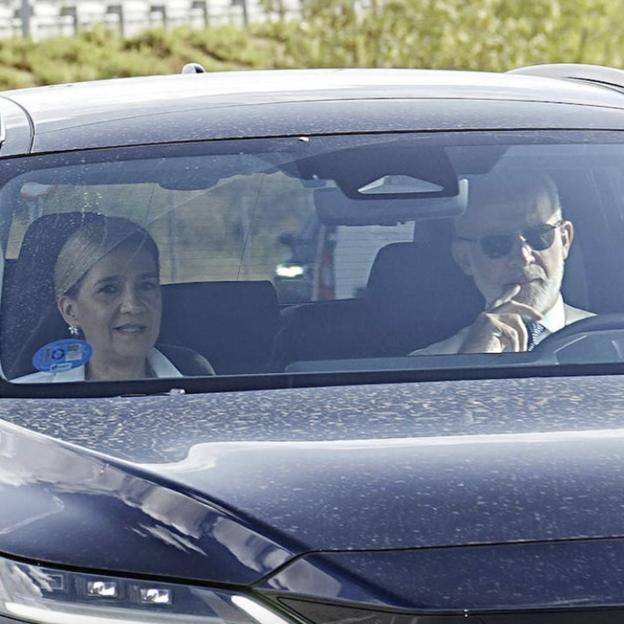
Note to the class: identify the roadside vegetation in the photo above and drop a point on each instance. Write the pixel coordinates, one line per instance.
(454, 34)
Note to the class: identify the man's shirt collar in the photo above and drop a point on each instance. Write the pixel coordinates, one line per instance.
(555, 319)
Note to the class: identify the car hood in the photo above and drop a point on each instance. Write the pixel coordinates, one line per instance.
(360, 468)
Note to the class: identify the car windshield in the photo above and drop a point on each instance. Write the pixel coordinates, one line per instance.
(313, 254)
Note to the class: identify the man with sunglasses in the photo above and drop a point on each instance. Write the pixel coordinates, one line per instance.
(513, 241)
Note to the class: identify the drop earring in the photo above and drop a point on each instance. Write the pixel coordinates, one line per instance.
(73, 330)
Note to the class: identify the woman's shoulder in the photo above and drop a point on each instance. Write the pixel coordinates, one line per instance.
(167, 360)
(34, 378)
(188, 362)
(75, 374)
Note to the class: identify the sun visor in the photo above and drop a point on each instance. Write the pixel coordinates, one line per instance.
(335, 208)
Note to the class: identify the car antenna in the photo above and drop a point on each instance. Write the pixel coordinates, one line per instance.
(193, 68)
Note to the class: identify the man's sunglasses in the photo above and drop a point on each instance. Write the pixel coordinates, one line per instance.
(538, 237)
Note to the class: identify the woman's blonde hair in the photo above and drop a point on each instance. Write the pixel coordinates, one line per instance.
(93, 240)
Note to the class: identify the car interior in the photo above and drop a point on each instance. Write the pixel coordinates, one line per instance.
(238, 319)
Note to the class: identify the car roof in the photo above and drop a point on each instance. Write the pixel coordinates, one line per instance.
(133, 111)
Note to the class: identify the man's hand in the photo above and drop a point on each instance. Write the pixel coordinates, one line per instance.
(501, 327)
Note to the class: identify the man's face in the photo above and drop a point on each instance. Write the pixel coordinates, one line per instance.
(538, 273)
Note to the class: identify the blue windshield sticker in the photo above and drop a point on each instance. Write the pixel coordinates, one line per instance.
(62, 355)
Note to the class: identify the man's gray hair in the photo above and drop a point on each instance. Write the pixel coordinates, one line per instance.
(526, 188)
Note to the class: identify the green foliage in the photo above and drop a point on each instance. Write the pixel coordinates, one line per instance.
(482, 34)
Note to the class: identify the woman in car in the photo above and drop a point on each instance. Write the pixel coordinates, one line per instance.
(107, 289)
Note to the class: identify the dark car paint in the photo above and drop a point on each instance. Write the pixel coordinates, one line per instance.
(420, 483)
(327, 118)
(214, 106)
(67, 506)
(469, 578)
(465, 462)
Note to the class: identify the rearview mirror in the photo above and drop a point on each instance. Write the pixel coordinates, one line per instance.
(335, 208)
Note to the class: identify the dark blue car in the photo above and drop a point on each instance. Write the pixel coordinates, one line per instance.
(429, 430)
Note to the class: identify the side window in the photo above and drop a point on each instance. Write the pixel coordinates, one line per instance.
(332, 262)
(355, 251)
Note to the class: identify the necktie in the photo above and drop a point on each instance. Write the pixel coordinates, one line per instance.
(535, 334)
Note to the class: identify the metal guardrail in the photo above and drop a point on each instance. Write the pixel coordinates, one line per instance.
(39, 19)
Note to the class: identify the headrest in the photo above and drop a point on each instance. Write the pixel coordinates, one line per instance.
(28, 301)
(232, 324)
(419, 288)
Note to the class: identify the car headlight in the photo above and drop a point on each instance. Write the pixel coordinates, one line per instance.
(50, 596)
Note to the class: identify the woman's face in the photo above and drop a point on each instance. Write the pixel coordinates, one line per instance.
(118, 306)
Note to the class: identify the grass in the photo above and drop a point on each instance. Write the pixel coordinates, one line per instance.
(482, 34)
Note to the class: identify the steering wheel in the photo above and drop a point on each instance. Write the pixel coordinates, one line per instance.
(597, 338)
